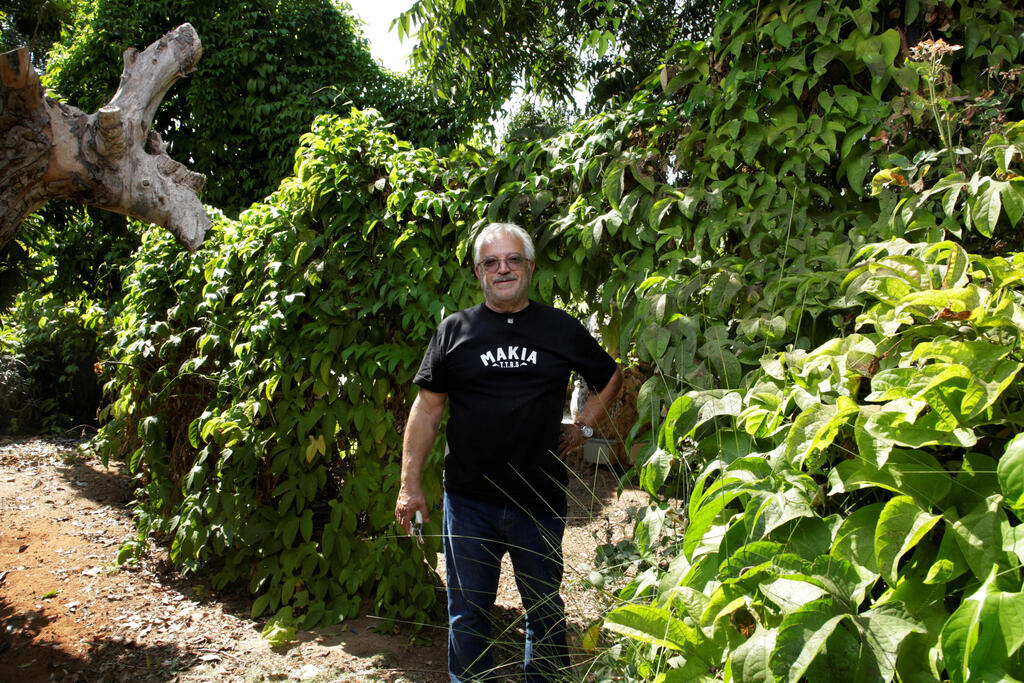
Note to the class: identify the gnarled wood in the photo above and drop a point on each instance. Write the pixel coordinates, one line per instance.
(110, 159)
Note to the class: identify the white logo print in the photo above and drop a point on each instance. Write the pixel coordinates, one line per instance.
(509, 357)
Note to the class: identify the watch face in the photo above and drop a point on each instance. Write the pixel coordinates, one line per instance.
(588, 431)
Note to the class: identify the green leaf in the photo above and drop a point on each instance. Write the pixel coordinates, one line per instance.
(659, 210)
(986, 208)
(648, 532)
(702, 517)
(613, 184)
(949, 563)
(679, 423)
(279, 631)
(913, 473)
(655, 340)
(654, 625)
(751, 661)
(540, 201)
(901, 525)
(979, 535)
(883, 630)
(1011, 472)
(815, 429)
(655, 471)
(984, 631)
(802, 635)
(855, 543)
(1013, 202)
(193, 433)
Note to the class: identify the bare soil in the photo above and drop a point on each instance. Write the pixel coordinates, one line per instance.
(68, 612)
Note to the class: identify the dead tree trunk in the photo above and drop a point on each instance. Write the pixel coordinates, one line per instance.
(110, 159)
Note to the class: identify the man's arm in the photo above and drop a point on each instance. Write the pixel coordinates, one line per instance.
(420, 433)
(593, 412)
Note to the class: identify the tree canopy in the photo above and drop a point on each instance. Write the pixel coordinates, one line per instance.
(268, 69)
(473, 52)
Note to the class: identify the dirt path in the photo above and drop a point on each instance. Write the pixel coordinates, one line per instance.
(69, 613)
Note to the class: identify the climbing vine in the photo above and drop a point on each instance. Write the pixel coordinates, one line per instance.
(804, 233)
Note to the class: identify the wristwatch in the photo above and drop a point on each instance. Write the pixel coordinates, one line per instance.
(587, 430)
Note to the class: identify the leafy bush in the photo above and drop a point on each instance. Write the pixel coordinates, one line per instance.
(261, 383)
(852, 411)
(56, 317)
(789, 229)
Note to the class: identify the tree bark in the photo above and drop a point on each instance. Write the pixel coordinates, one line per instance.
(110, 159)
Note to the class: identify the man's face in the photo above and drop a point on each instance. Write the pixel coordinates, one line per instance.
(506, 288)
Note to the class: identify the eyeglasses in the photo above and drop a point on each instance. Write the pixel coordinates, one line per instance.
(514, 262)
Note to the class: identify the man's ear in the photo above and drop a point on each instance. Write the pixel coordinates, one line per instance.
(476, 272)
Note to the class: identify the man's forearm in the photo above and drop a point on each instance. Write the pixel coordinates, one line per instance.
(420, 434)
(597, 406)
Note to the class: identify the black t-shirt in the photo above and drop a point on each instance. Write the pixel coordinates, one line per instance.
(506, 375)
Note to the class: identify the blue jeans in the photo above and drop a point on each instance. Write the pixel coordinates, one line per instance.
(476, 536)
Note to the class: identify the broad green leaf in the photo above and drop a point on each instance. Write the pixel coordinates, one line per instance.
(979, 535)
(790, 594)
(855, 544)
(801, 637)
(984, 631)
(985, 209)
(702, 518)
(679, 423)
(870, 446)
(959, 299)
(659, 210)
(749, 558)
(717, 402)
(655, 471)
(901, 525)
(750, 661)
(815, 429)
(912, 473)
(1013, 540)
(900, 422)
(655, 340)
(648, 398)
(949, 563)
(648, 531)
(654, 625)
(882, 630)
(781, 506)
(1011, 472)
(1013, 203)
(613, 184)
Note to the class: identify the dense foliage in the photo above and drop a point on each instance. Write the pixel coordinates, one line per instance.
(268, 69)
(807, 232)
(35, 24)
(263, 381)
(846, 439)
(57, 298)
(477, 54)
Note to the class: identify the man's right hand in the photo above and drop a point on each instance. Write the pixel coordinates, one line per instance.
(409, 501)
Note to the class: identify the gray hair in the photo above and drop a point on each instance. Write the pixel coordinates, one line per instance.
(494, 230)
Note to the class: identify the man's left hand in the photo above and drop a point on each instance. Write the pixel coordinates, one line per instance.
(570, 439)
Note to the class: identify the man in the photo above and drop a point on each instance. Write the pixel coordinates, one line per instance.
(504, 365)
